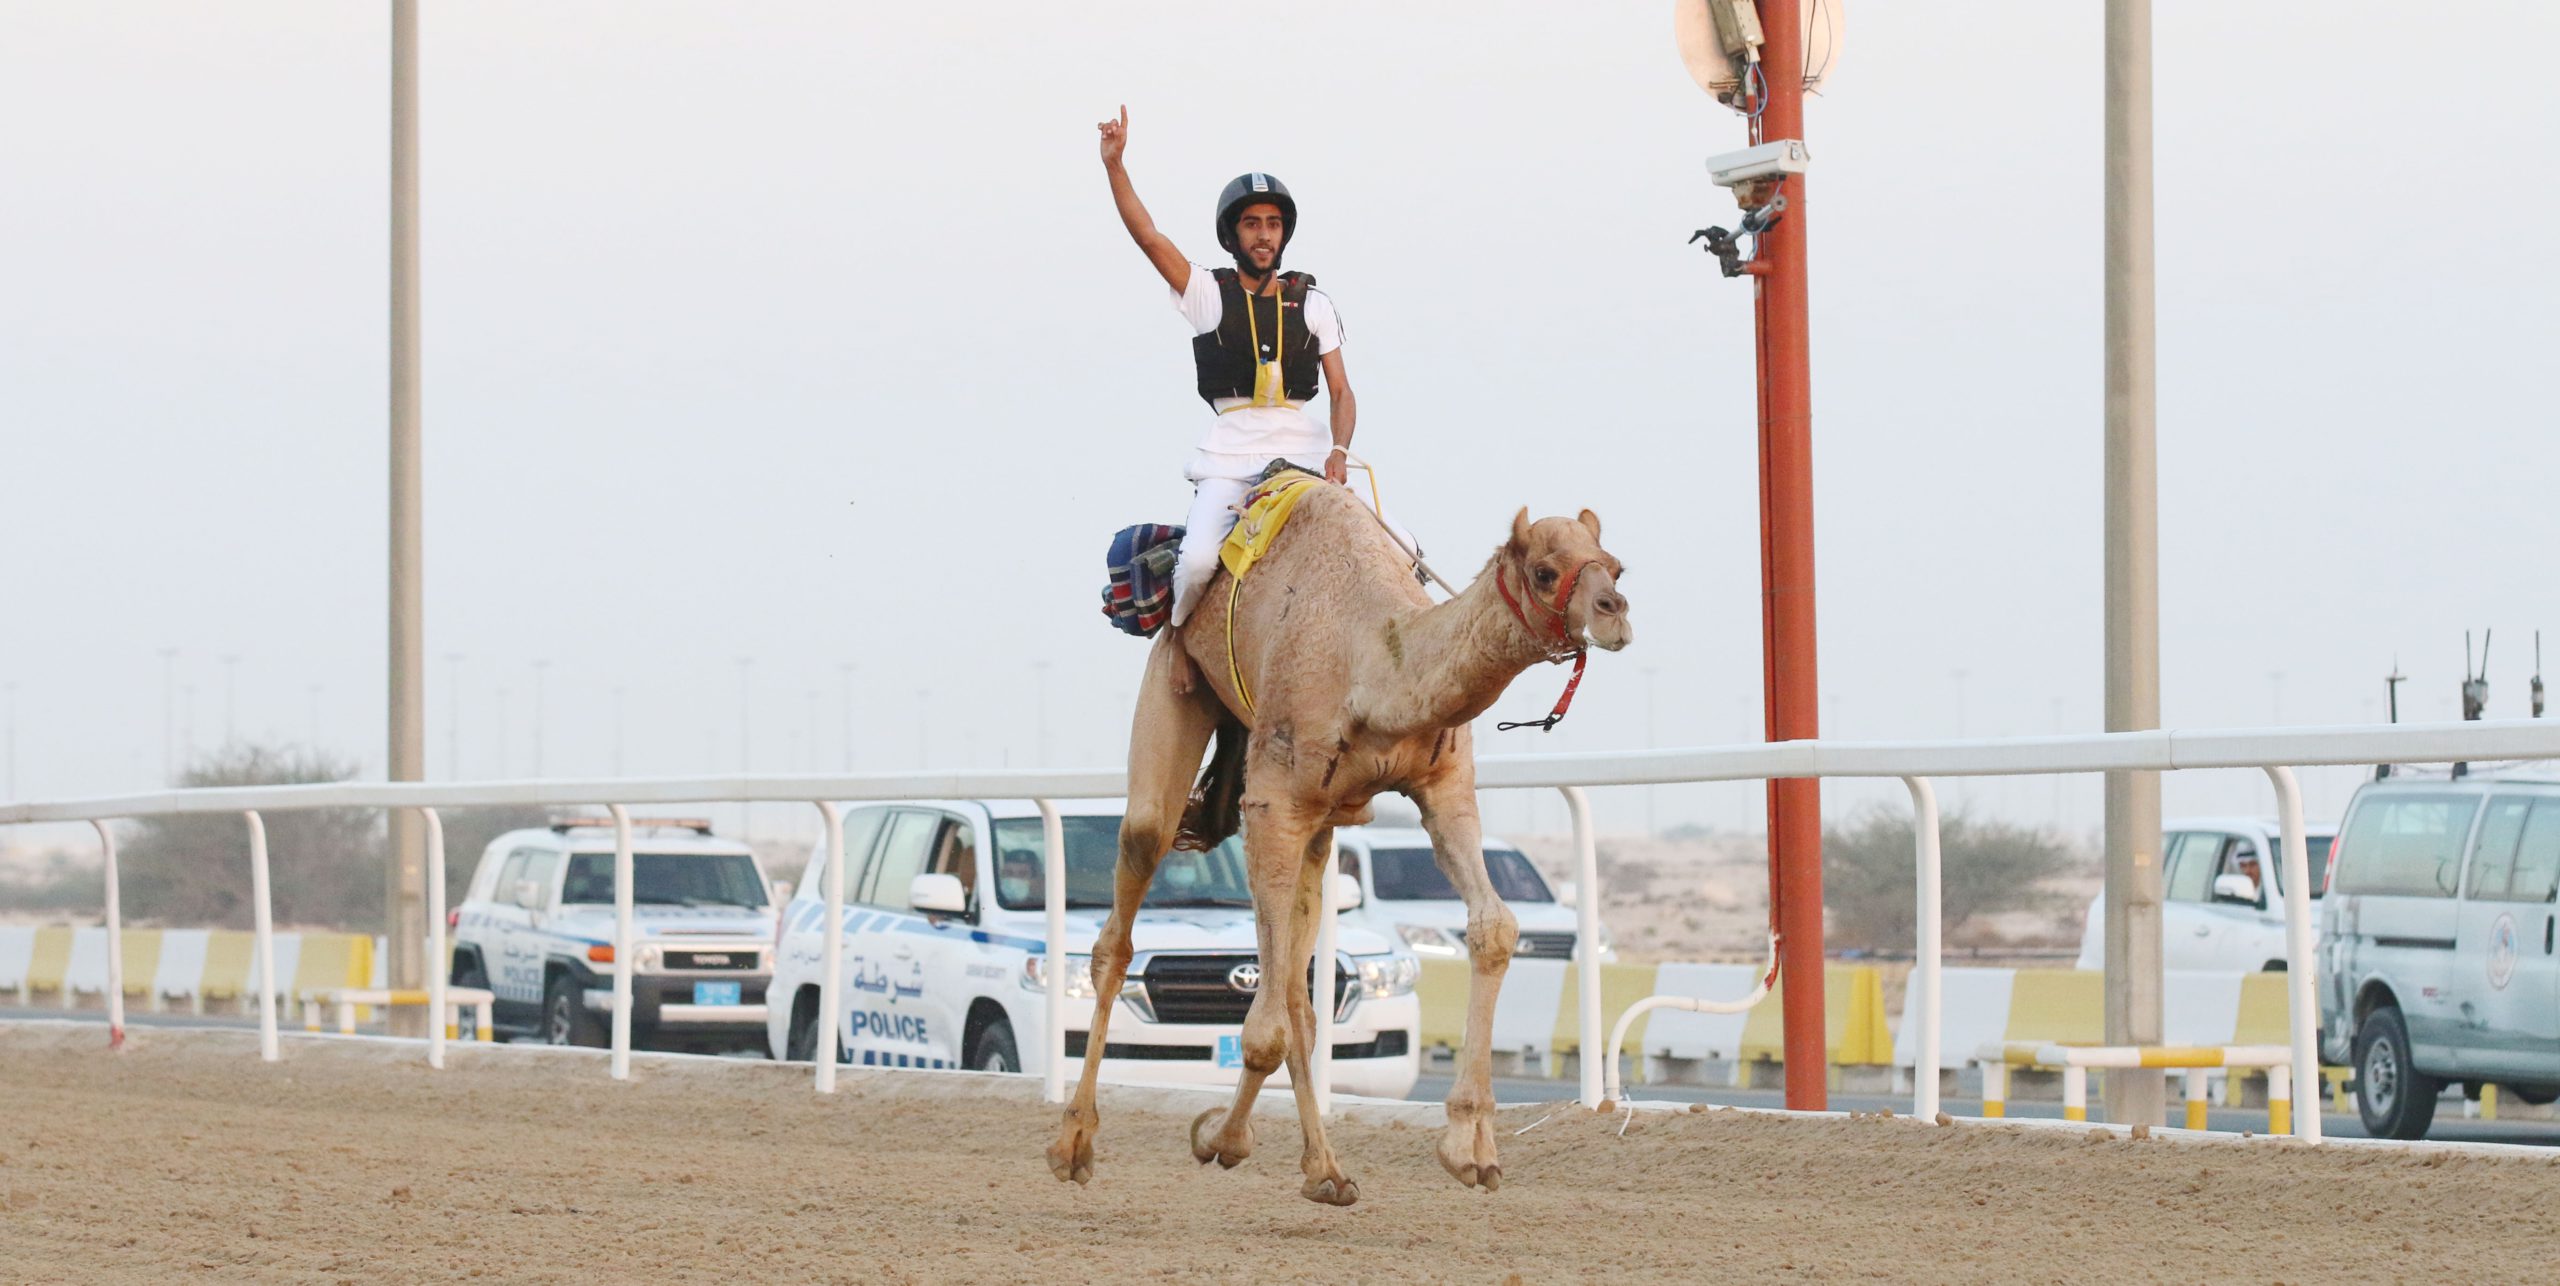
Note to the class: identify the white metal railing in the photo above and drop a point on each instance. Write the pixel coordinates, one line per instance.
(2275, 751)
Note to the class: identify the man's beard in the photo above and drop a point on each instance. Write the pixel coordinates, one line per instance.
(1245, 264)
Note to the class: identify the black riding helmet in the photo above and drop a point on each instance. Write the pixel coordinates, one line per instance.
(1245, 190)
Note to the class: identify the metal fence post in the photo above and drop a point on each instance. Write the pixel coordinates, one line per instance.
(621, 942)
(264, 909)
(831, 956)
(439, 968)
(1586, 945)
(2300, 983)
(1053, 1027)
(1921, 1000)
(115, 940)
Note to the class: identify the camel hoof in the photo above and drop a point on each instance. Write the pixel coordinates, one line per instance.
(1471, 1161)
(1332, 1190)
(1490, 1178)
(1227, 1152)
(1071, 1157)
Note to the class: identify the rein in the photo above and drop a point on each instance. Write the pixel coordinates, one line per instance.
(1560, 647)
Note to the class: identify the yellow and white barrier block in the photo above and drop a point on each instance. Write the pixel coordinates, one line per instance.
(2076, 1060)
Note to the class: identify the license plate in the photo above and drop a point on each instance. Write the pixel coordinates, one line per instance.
(1231, 1051)
(715, 993)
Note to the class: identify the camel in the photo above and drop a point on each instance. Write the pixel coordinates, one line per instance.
(1358, 684)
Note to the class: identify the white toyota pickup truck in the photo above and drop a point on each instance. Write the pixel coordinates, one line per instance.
(944, 941)
(536, 929)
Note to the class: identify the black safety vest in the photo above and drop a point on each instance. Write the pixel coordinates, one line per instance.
(1225, 357)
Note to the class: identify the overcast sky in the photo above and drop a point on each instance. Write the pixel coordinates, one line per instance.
(806, 333)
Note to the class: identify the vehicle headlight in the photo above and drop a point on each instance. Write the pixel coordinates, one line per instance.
(1431, 941)
(1385, 976)
(1035, 976)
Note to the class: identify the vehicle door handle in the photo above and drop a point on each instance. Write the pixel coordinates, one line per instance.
(2546, 935)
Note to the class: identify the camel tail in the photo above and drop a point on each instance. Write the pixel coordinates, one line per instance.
(1215, 810)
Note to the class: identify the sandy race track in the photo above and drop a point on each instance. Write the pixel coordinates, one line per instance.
(186, 1156)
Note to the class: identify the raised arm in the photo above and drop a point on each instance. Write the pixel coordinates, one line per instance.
(1159, 248)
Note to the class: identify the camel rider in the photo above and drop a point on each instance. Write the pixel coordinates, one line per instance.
(1260, 337)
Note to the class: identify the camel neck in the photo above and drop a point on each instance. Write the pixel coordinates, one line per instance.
(1442, 666)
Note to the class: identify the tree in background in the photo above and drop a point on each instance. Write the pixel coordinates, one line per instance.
(1870, 874)
(325, 865)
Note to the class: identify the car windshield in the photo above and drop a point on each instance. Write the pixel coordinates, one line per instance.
(667, 879)
(1411, 875)
(1211, 879)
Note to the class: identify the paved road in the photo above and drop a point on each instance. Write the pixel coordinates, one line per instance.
(2450, 1127)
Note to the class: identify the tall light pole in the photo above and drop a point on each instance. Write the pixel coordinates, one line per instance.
(2133, 886)
(405, 900)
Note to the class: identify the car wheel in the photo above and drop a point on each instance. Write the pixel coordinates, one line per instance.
(565, 1020)
(2395, 1099)
(801, 1046)
(469, 972)
(995, 1052)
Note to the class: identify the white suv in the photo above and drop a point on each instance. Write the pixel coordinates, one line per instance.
(945, 934)
(1404, 896)
(536, 929)
(2223, 896)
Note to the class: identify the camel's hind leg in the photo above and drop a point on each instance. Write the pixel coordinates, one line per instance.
(1457, 844)
(1165, 744)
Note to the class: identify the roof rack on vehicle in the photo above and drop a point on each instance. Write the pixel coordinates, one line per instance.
(698, 825)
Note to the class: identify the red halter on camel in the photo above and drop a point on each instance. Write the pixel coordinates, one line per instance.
(1561, 647)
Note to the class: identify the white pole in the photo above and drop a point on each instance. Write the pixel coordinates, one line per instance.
(1586, 945)
(1922, 1005)
(115, 942)
(439, 968)
(1053, 1036)
(621, 942)
(264, 908)
(2299, 981)
(1327, 982)
(831, 959)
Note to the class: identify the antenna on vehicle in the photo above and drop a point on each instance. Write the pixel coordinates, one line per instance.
(2391, 689)
(2475, 687)
(2537, 674)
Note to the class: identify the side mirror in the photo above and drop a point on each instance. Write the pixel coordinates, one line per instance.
(781, 892)
(1346, 891)
(2235, 887)
(526, 894)
(938, 894)
(1568, 893)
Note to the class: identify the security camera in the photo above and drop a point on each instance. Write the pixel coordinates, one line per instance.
(1767, 161)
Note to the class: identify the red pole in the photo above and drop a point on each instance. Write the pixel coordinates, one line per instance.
(1786, 569)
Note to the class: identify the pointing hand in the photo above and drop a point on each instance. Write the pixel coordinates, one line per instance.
(1115, 137)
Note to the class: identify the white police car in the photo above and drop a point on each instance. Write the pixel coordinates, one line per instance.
(944, 941)
(536, 929)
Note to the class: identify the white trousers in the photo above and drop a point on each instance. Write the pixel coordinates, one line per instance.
(1214, 501)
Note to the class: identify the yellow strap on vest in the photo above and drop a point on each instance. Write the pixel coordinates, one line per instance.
(1270, 388)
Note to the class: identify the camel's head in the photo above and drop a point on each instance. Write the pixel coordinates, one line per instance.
(1561, 559)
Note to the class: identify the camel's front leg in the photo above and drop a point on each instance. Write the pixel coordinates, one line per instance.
(1266, 1023)
(1325, 1180)
(1457, 843)
(1168, 733)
